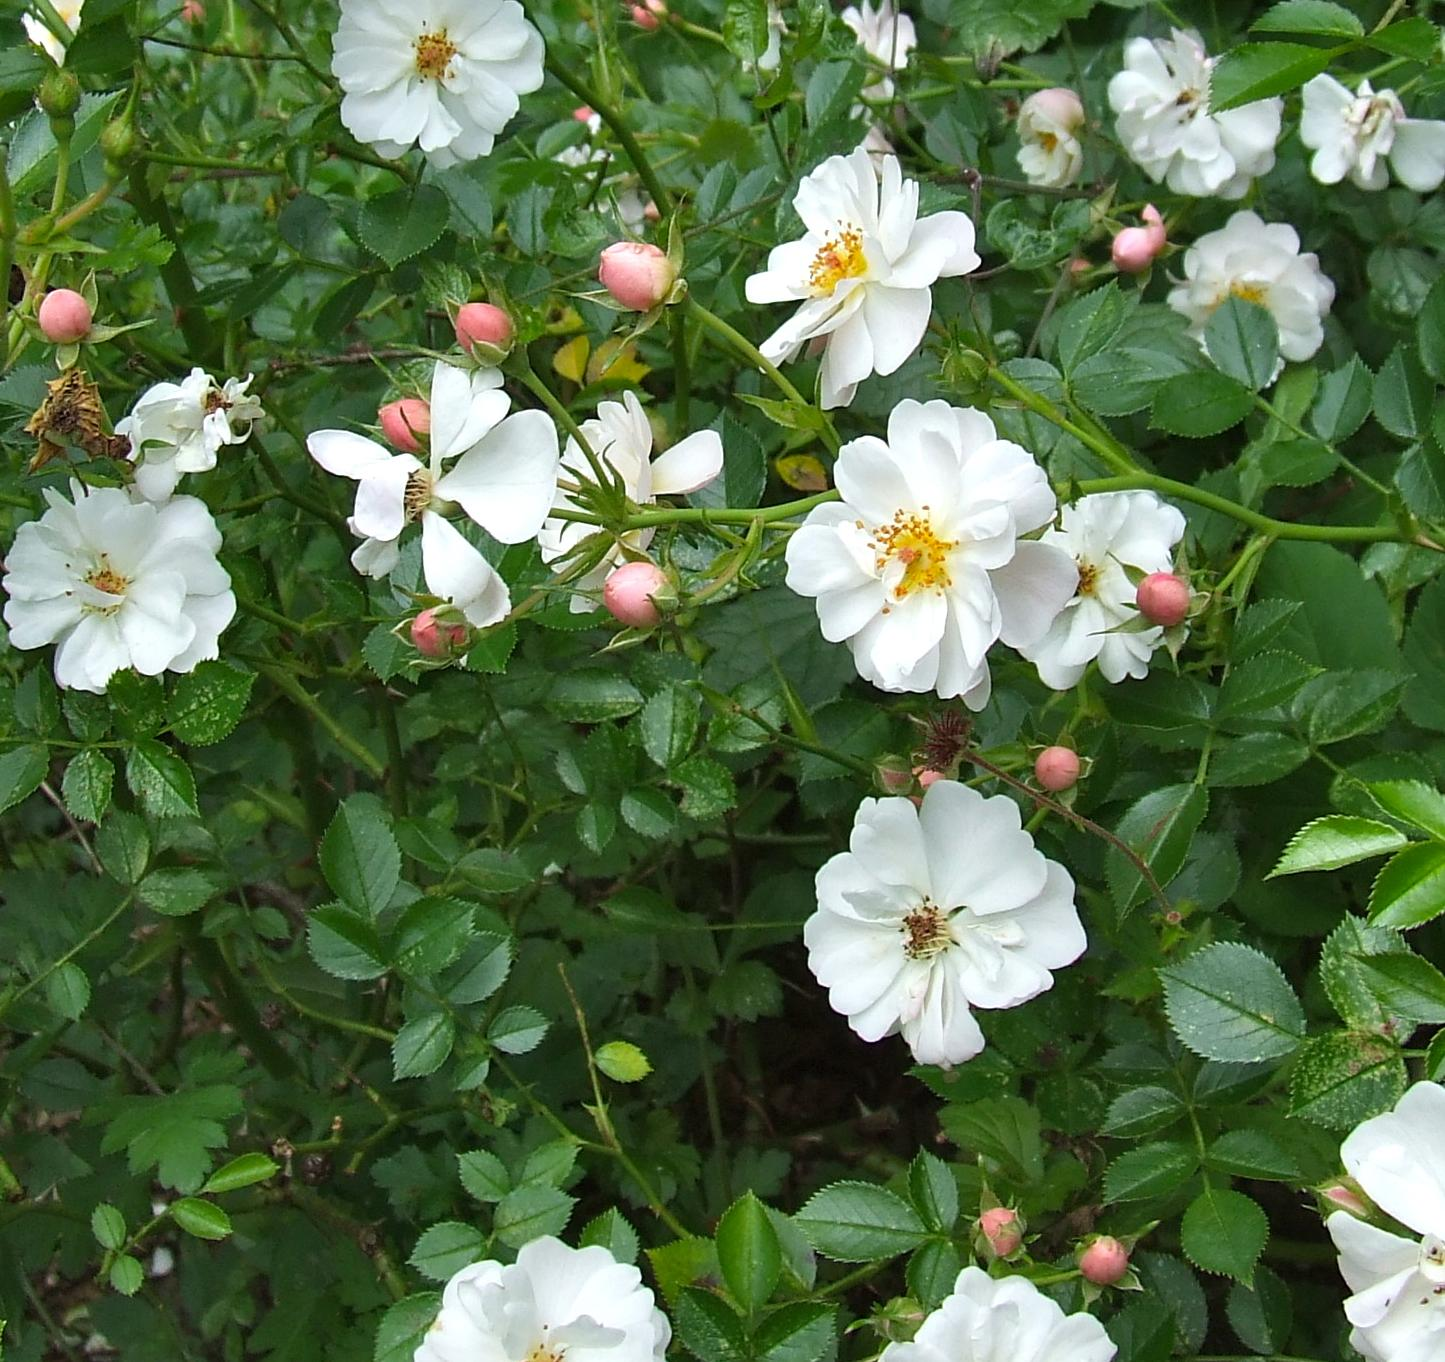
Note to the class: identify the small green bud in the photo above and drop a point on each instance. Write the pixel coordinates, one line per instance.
(58, 98)
(118, 141)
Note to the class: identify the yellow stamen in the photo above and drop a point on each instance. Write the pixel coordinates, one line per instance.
(105, 578)
(418, 494)
(910, 539)
(927, 929)
(434, 53)
(1088, 579)
(1251, 293)
(839, 257)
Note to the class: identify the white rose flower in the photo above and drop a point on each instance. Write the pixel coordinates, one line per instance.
(1002, 1319)
(1161, 98)
(117, 583)
(1398, 1305)
(863, 272)
(885, 35)
(1105, 534)
(445, 75)
(920, 568)
(1354, 135)
(1261, 262)
(177, 428)
(1049, 151)
(933, 910)
(39, 34)
(621, 438)
(504, 478)
(554, 1302)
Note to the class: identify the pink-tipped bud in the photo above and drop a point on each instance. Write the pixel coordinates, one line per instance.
(631, 593)
(893, 775)
(64, 317)
(1345, 1199)
(403, 420)
(637, 274)
(1154, 225)
(193, 11)
(1001, 1231)
(651, 211)
(1105, 1261)
(1059, 105)
(644, 17)
(435, 638)
(927, 778)
(1057, 769)
(1136, 248)
(582, 112)
(483, 324)
(1164, 599)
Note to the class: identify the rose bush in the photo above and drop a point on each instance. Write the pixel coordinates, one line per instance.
(717, 679)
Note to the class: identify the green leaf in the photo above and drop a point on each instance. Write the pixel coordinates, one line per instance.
(934, 1191)
(1242, 340)
(612, 1232)
(108, 1226)
(708, 1327)
(404, 223)
(176, 891)
(1341, 705)
(527, 1213)
(855, 1222)
(623, 1062)
(126, 1275)
(1344, 979)
(1404, 395)
(161, 780)
(668, 724)
(484, 1175)
(550, 1163)
(1337, 840)
(124, 846)
(360, 857)
(1005, 1129)
(1255, 759)
(422, 1045)
(707, 787)
(745, 28)
(87, 785)
(1230, 1002)
(430, 934)
(1413, 802)
(1343, 401)
(1088, 324)
(1159, 829)
(1121, 381)
(482, 969)
(748, 1252)
(1150, 1170)
(592, 697)
(1262, 682)
(1142, 1111)
(1252, 1154)
(1410, 889)
(244, 1171)
(67, 991)
(21, 772)
(1223, 1231)
(446, 1248)
(1254, 71)
(344, 943)
(1322, 17)
(1200, 403)
(517, 1030)
(208, 703)
(404, 1326)
(1416, 39)
(1262, 1317)
(1406, 984)
(203, 1219)
(172, 1133)
(1345, 1077)
(932, 1271)
(803, 1331)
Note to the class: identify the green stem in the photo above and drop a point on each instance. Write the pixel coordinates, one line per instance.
(89, 939)
(180, 283)
(295, 691)
(1112, 454)
(681, 383)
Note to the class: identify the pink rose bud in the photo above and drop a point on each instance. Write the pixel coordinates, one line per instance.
(64, 316)
(651, 211)
(433, 638)
(1058, 105)
(1154, 225)
(193, 11)
(1346, 1199)
(482, 324)
(582, 113)
(1105, 1261)
(402, 421)
(1136, 248)
(1057, 769)
(637, 274)
(648, 14)
(629, 593)
(1164, 599)
(893, 775)
(1000, 1227)
(927, 778)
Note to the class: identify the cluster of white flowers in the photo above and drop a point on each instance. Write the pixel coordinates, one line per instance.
(128, 577)
(558, 1302)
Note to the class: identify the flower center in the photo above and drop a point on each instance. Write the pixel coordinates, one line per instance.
(839, 257)
(1047, 141)
(542, 1353)
(1251, 293)
(434, 53)
(1370, 115)
(910, 539)
(1088, 578)
(105, 578)
(216, 401)
(926, 928)
(418, 494)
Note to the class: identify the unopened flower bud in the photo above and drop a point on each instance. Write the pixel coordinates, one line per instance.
(893, 775)
(1057, 769)
(1001, 1231)
(64, 316)
(648, 14)
(634, 593)
(651, 211)
(1105, 1261)
(1163, 599)
(403, 420)
(118, 143)
(483, 324)
(59, 94)
(583, 112)
(637, 274)
(436, 638)
(1343, 1198)
(193, 11)
(1136, 248)
(927, 777)
(1058, 105)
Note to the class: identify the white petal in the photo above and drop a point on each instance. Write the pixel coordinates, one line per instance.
(456, 571)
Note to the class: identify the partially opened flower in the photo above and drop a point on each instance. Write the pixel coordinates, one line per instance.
(934, 910)
(504, 477)
(177, 428)
(920, 568)
(444, 75)
(1260, 262)
(885, 35)
(39, 32)
(1355, 134)
(1161, 98)
(117, 582)
(863, 272)
(1048, 127)
(621, 438)
(1002, 1319)
(1106, 534)
(553, 1303)
(1398, 1305)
